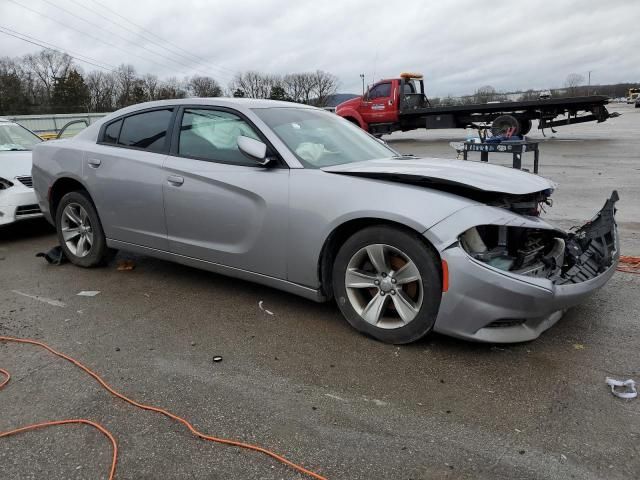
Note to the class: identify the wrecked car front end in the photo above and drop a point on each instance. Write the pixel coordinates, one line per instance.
(511, 274)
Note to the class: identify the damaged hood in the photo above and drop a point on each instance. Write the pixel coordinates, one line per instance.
(437, 171)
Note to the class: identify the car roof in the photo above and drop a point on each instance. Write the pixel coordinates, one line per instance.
(215, 101)
(241, 104)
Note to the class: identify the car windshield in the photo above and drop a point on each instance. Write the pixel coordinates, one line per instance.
(322, 139)
(15, 137)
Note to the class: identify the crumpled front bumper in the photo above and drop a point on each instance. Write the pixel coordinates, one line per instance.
(486, 304)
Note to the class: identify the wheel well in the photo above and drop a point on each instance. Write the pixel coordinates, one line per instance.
(59, 189)
(352, 120)
(340, 235)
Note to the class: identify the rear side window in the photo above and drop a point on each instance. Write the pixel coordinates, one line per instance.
(111, 132)
(146, 130)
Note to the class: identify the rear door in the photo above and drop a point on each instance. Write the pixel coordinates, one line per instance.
(378, 106)
(124, 173)
(221, 206)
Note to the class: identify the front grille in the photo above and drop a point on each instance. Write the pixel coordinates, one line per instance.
(27, 210)
(26, 181)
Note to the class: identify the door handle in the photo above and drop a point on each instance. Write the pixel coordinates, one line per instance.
(94, 162)
(175, 180)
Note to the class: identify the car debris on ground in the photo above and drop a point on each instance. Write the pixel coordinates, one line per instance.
(628, 391)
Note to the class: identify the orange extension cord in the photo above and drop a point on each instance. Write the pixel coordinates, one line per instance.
(629, 264)
(115, 393)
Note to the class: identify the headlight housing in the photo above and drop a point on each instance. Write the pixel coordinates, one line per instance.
(520, 250)
(4, 184)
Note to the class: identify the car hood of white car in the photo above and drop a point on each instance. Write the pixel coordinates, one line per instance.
(438, 171)
(15, 164)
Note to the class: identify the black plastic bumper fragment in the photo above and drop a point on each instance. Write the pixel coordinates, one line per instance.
(592, 248)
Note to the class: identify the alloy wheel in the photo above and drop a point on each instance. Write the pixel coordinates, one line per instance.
(384, 286)
(76, 229)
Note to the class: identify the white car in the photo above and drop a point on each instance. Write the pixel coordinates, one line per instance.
(17, 198)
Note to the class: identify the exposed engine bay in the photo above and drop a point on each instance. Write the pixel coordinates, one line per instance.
(563, 257)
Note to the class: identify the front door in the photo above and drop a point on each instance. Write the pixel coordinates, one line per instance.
(220, 206)
(377, 107)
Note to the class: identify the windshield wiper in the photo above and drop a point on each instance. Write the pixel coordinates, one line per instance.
(405, 155)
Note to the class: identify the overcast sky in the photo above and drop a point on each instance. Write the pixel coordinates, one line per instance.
(459, 45)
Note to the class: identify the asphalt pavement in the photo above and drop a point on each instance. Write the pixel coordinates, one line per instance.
(302, 382)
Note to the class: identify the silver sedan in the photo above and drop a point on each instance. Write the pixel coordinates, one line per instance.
(301, 200)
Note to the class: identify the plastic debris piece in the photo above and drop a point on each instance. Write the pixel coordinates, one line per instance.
(628, 391)
(88, 293)
(578, 346)
(55, 256)
(261, 306)
(217, 359)
(125, 265)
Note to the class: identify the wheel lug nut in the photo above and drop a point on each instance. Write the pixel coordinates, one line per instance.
(393, 292)
(393, 280)
(376, 282)
(381, 293)
(384, 274)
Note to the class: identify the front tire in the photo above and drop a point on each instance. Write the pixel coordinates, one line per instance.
(79, 230)
(388, 284)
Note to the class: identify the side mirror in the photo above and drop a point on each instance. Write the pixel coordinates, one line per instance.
(254, 149)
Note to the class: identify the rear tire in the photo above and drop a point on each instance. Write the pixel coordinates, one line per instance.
(504, 122)
(388, 284)
(525, 126)
(80, 232)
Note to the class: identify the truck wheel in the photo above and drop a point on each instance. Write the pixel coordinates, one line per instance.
(525, 126)
(503, 123)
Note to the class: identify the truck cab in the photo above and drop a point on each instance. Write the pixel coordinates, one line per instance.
(378, 110)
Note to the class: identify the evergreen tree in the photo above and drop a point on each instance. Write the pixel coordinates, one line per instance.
(70, 93)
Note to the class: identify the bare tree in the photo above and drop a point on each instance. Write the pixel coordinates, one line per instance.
(293, 87)
(324, 85)
(254, 84)
(150, 86)
(47, 66)
(126, 77)
(573, 81)
(485, 94)
(203, 87)
(171, 88)
(101, 87)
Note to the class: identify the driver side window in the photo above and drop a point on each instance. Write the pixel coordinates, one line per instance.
(207, 134)
(382, 90)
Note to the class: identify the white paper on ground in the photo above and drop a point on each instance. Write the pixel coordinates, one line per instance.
(629, 388)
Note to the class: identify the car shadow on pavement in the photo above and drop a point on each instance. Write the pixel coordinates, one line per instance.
(25, 229)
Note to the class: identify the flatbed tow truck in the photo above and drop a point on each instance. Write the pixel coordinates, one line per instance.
(401, 104)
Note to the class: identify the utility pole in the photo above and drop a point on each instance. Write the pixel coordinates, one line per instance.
(589, 84)
(362, 78)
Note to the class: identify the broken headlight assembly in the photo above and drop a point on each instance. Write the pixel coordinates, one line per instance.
(524, 251)
(579, 255)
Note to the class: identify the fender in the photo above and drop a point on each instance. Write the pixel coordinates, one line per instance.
(352, 113)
